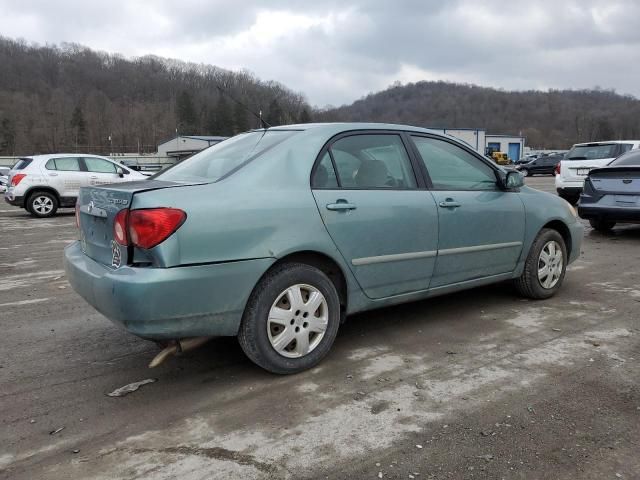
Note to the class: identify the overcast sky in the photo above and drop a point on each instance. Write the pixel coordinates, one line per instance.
(337, 51)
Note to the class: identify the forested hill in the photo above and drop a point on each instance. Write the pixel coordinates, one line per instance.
(71, 98)
(552, 119)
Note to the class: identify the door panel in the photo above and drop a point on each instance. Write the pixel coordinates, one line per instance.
(481, 228)
(480, 238)
(388, 238)
(385, 228)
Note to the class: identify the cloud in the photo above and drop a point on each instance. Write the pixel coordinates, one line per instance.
(336, 52)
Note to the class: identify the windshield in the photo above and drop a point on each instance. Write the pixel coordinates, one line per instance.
(630, 158)
(224, 158)
(593, 152)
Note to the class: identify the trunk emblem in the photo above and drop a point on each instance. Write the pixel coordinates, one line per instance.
(116, 255)
(627, 180)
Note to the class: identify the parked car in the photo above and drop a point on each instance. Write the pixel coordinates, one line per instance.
(571, 171)
(612, 194)
(4, 181)
(43, 183)
(275, 235)
(544, 165)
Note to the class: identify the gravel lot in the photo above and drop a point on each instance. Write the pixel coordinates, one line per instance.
(480, 384)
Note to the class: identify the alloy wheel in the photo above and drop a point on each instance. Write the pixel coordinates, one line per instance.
(42, 205)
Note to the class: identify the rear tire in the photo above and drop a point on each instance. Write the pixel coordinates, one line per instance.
(42, 204)
(291, 319)
(602, 225)
(524, 172)
(548, 251)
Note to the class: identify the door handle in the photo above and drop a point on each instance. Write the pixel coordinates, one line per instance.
(449, 203)
(53, 174)
(341, 204)
(93, 176)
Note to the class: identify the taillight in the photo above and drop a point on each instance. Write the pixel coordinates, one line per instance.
(17, 178)
(120, 227)
(150, 227)
(557, 169)
(77, 215)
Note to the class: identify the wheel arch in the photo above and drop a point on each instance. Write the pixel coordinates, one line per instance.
(43, 188)
(562, 228)
(330, 267)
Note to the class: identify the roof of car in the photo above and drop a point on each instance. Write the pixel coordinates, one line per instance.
(605, 142)
(58, 155)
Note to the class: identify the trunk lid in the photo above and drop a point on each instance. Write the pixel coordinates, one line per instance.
(98, 207)
(616, 180)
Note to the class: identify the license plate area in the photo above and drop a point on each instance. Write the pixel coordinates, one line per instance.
(582, 171)
(626, 200)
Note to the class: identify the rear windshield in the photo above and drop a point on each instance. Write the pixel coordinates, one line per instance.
(224, 158)
(22, 163)
(629, 158)
(593, 152)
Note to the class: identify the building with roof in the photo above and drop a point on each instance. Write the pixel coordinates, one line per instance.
(183, 146)
(483, 143)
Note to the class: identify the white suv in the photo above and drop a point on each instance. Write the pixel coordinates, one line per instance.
(574, 168)
(42, 183)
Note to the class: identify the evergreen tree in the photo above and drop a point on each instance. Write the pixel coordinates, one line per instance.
(275, 116)
(186, 111)
(7, 137)
(305, 116)
(79, 126)
(241, 118)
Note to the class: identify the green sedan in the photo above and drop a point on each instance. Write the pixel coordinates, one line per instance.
(276, 235)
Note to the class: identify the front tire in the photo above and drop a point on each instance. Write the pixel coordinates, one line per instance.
(524, 172)
(291, 319)
(545, 266)
(42, 204)
(603, 226)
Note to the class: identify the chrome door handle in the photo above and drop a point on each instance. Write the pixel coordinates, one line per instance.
(93, 176)
(53, 174)
(449, 203)
(341, 205)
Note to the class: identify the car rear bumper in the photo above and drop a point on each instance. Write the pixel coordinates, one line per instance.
(11, 199)
(608, 212)
(167, 303)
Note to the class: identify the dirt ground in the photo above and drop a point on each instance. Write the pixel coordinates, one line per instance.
(479, 384)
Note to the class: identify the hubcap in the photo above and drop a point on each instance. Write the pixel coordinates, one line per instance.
(297, 321)
(550, 264)
(43, 205)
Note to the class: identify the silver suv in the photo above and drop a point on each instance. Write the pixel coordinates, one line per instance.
(43, 183)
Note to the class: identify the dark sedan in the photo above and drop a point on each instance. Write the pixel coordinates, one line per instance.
(612, 194)
(544, 165)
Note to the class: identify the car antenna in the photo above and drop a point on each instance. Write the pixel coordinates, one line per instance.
(263, 122)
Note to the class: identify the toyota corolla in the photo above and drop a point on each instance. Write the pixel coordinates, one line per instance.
(276, 235)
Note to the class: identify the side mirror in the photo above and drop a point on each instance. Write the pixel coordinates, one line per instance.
(513, 180)
(120, 172)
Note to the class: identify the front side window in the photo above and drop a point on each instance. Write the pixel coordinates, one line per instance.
(98, 165)
(67, 164)
(452, 168)
(373, 161)
(225, 157)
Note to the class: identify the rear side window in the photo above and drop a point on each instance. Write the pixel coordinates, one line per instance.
(98, 165)
(325, 175)
(69, 164)
(630, 158)
(22, 163)
(372, 162)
